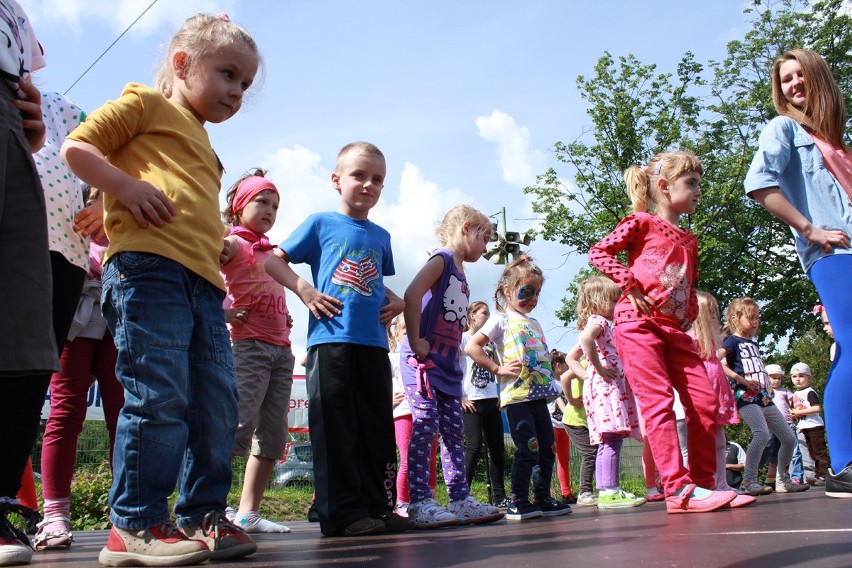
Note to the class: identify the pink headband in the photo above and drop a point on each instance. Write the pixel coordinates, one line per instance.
(248, 189)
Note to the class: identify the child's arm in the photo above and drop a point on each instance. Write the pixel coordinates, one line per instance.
(144, 200)
(731, 374)
(815, 408)
(229, 250)
(574, 365)
(587, 339)
(89, 221)
(278, 267)
(603, 256)
(392, 308)
(475, 349)
(422, 282)
(572, 359)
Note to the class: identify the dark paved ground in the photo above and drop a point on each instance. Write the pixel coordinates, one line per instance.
(779, 531)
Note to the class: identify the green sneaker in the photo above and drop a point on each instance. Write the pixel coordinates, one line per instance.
(619, 500)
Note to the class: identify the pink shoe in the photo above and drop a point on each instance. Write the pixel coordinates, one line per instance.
(741, 501)
(654, 498)
(685, 503)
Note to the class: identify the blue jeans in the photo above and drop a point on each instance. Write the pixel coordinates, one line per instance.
(180, 394)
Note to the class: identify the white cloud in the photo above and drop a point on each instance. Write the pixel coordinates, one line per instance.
(519, 162)
(118, 14)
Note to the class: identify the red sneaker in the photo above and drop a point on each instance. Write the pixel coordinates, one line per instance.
(163, 545)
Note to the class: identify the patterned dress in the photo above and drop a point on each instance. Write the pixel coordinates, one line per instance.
(610, 406)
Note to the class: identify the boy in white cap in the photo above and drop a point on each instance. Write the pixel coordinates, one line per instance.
(783, 399)
(806, 410)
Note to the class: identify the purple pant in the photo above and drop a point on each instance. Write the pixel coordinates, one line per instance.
(607, 464)
(441, 413)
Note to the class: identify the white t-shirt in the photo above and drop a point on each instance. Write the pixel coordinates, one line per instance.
(402, 409)
(478, 384)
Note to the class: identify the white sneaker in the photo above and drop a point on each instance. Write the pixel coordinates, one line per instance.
(469, 511)
(587, 499)
(402, 508)
(427, 514)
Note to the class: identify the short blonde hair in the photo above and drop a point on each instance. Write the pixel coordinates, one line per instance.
(641, 181)
(593, 298)
(705, 328)
(359, 148)
(824, 111)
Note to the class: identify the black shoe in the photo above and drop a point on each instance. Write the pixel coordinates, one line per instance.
(551, 507)
(364, 527)
(569, 499)
(313, 514)
(839, 485)
(522, 509)
(502, 504)
(396, 523)
(819, 482)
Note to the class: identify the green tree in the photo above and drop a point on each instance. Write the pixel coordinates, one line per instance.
(636, 112)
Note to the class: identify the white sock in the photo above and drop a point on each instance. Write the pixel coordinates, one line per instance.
(252, 522)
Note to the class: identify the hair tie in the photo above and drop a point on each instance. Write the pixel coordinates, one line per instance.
(644, 169)
(223, 16)
(818, 309)
(248, 190)
(659, 168)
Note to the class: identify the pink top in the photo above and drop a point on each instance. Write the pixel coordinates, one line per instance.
(662, 262)
(249, 286)
(839, 163)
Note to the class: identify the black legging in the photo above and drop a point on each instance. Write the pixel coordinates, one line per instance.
(488, 420)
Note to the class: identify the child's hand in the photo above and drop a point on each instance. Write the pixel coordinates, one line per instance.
(229, 252)
(468, 406)
(606, 373)
(147, 203)
(235, 316)
(30, 109)
(320, 304)
(421, 348)
(394, 306)
(398, 397)
(640, 302)
(89, 222)
(512, 369)
(827, 238)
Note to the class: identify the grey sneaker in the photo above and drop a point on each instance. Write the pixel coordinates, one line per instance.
(427, 514)
(164, 545)
(587, 499)
(754, 488)
(222, 537)
(784, 485)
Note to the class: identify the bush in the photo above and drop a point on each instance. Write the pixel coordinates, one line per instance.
(90, 498)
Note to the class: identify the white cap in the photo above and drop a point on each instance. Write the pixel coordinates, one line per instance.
(801, 369)
(774, 370)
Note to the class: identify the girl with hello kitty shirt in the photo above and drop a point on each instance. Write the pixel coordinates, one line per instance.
(436, 304)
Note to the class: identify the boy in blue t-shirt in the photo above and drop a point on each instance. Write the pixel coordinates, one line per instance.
(348, 370)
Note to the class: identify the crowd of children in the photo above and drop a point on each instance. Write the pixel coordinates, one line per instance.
(202, 331)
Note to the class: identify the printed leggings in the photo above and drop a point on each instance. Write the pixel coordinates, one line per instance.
(762, 421)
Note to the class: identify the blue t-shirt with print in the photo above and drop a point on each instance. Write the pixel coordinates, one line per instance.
(348, 259)
(743, 357)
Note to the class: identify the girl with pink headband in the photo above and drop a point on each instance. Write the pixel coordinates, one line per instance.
(256, 312)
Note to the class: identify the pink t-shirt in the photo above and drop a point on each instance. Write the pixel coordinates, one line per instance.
(839, 163)
(249, 286)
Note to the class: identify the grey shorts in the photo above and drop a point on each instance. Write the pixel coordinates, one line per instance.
(264, 382)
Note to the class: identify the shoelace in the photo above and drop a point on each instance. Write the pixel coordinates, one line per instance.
(215, 522)
(7, 528)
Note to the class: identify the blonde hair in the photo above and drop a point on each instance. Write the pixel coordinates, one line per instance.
(824, 110)
(594, 297)
(393, 344)
(198, 37)
(449, 230)
(513, 273)
(641, 181)
(705, 328)
(360, 148)
(472, 308)
(735, 310)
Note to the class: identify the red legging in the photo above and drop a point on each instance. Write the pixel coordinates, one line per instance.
(563, 459)
(402, 428)
(80, 360)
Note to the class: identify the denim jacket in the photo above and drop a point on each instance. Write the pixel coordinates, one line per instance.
(788, 158)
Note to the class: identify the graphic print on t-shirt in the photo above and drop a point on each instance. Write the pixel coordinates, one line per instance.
(356, 275)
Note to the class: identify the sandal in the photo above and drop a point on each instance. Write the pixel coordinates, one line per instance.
(57, 539)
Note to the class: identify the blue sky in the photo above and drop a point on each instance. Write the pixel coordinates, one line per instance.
(465, 98)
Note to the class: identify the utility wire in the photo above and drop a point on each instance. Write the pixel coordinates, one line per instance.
(89, 68)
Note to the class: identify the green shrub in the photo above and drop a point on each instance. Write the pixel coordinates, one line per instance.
(90, 498)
